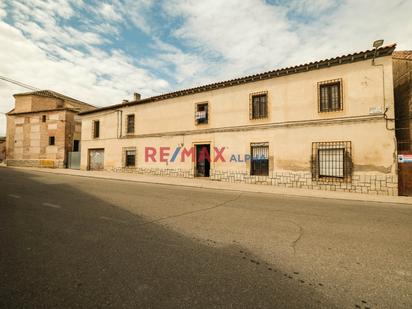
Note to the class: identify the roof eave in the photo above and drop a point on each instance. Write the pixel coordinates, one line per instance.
(340, 60)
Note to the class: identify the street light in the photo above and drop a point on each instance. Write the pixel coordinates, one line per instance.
(376, 45)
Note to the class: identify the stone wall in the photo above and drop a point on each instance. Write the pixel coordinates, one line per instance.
(380, 184)
(359, 183)
(185, 173)
(36, 163)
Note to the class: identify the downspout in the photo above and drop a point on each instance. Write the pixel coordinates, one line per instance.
(119, 123)
(385, 116)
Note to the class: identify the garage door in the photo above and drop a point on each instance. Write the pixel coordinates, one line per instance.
(96, 159)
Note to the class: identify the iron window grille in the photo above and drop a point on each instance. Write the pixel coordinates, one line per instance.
(258, 108)
(130, 124)
(96, 129)
(331, 161)
(202, 113)
(259, 163)
(330, 96)
(52, 140)
(130, 158)
(43, 118)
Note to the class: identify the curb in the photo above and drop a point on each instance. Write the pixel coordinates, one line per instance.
(404, 201)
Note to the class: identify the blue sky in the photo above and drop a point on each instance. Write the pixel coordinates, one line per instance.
(103, 51)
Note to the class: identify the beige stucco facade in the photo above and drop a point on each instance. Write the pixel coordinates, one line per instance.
(36, 118)
(292, 125)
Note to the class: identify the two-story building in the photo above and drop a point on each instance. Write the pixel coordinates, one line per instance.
(43, 128)
(321, 125)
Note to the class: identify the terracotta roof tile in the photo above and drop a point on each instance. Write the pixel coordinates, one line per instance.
(52, 94)
(402, 54)
(358, 56)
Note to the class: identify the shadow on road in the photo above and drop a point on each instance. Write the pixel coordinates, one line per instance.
(61, 247)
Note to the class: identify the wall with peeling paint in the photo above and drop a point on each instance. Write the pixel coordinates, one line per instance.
(292, 125)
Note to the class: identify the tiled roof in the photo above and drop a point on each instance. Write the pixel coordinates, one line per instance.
(52, 94)
(359, 56)
(44, 111)
(402, 54)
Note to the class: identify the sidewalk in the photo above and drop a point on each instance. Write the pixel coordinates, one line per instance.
(209, 184)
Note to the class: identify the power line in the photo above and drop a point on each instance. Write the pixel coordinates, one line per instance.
(12, 81)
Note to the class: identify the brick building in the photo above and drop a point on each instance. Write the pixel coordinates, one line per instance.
(402, 81)
(2, 149)
(43, 128)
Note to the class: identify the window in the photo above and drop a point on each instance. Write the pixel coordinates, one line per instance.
(130, 124)
(259, 164)
(76, 145)
(330, 96)
(51, 140)
(202, 113)
(130, 158)
(96, 129)
(43, 118)
(259, 105)
(331, 161)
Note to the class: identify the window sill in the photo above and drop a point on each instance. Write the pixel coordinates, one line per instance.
(331, 111)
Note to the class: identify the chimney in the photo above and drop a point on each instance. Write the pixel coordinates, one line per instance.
(136, 96)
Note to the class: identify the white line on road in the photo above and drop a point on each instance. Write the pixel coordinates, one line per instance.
(14, 196)
(113, 220)
(51, 205)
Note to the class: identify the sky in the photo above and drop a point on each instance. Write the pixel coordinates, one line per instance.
(101, 52)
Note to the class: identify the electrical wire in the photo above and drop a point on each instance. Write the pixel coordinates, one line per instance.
(15, 82)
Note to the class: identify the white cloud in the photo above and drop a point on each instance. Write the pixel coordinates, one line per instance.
(108, 11)
(248, 34)
(253, 35)
(46, 55)
(215, 40)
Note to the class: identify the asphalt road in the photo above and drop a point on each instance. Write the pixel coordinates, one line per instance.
(69, 242)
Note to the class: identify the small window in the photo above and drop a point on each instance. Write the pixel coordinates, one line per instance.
(130, 158)
(130, 124)
(96, 129)
(330, 96)
(51, 140)
(259, 164)
(331, 161)
(259, 106)
(202, 113)
(43, 118)
(76, 145)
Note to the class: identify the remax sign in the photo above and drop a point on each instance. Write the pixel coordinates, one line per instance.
(183, 154)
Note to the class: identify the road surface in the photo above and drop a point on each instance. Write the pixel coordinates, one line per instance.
(69, 242)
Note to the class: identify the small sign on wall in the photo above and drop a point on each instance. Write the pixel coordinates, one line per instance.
(405, 158)
(375, 110)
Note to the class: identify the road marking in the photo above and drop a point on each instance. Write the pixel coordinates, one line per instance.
(113, 220)
(51, 205)
(14, 196)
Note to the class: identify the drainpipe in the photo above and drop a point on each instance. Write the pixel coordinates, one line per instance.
(119, 123)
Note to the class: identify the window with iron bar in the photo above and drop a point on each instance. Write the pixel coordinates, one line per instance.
(130, 160)
(52, 140)
(130, 124)
(202, 113)
(331, 161)
(259, 105)
(330, 96)
(259, 163)
(96, 129)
